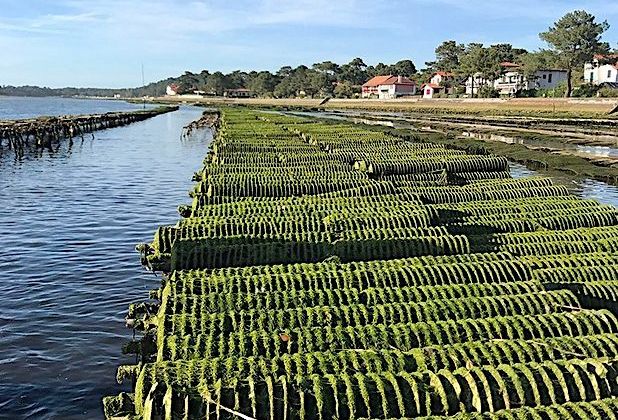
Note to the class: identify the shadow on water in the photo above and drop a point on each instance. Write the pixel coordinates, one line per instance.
(70, 219)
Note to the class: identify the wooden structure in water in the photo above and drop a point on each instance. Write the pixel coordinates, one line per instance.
(43, 132)
(209, 119)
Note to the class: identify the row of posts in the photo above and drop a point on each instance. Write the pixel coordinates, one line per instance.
(43, 132)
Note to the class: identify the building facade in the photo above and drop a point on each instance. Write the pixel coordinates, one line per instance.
(437, 83)
(474, 83)
(596, 72)
(172, 90)
(431, 89)
(388, 87)
(238, 93)
(512, 80)
(441, 77)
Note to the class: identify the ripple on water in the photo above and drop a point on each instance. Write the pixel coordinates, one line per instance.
(70, 221)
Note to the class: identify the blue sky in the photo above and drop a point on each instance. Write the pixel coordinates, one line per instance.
(102, 43)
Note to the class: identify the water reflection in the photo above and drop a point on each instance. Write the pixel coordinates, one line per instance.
(585, 188)
(592, 151)
(70, 220)
(600, 151)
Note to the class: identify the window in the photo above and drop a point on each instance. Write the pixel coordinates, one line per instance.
(591, 76)
(544, 76)
(609, 73)
(549, 78)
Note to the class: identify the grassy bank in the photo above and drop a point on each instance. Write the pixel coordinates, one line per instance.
(520, 107)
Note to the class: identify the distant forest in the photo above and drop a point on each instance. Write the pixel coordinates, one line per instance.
(319, 80)
(326, 78)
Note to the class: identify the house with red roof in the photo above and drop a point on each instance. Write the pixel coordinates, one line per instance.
(437, 84)
(431, 89)
(388, 87)
(602, 69)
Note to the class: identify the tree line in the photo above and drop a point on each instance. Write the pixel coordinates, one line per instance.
(321, 79)
(572, 41)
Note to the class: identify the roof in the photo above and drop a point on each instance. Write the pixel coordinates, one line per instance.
(377, 81)
(431, 85)
(600, 56)
(388, 80)
(443, 73)
(508, 64)
(608, 57)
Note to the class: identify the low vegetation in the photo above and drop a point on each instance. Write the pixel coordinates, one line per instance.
(331, 271)
(534, 158)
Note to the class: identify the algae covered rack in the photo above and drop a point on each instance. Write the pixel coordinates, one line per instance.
(44, 132)
(325, 270)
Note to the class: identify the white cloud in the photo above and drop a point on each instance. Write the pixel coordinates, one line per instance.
(213, 16)
(152, 26)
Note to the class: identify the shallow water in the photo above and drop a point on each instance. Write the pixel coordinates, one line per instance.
(16, 108)
(585, 188)
(593, 151)
(398, 120)
(69, 222)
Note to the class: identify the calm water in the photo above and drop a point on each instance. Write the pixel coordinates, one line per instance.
(69, 222)
(585, 188)
(15, 108)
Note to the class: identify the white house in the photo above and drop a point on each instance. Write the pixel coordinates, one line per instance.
(171, 90)
(436, 84)
(597, 73)
(474, 83)
(430, 89)
(548, 79)
(512, 80)
(388, 87)
(441, 76)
